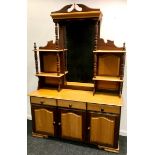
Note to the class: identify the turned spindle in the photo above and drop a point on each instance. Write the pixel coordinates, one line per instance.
(36, 58)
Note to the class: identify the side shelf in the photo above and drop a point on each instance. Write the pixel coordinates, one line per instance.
(109, 70)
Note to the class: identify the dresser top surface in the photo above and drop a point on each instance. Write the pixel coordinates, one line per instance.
(79, 95)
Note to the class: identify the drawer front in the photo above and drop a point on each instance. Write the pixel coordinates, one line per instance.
(44, 101)
(72, 104)
(103, 108)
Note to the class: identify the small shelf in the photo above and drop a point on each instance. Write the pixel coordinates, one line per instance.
(55, 75)
(108, 78)
(48, 50)
(109, 51)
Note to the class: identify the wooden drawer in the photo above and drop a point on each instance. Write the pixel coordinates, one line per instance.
(72, 104)
(103, 108)
(44, 101)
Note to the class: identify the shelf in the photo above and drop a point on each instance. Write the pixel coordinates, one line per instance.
(109, 51)
(55, 75)
(107, 78)
(48, 50)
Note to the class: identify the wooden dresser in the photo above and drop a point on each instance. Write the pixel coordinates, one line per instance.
(80, 80)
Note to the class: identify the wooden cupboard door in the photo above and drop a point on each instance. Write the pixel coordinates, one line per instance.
(72, 124)
(43, 120)
(104, 129)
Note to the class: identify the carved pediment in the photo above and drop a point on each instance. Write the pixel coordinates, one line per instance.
(76, 11)
(84, 8)
(50, 45)
(102, 45)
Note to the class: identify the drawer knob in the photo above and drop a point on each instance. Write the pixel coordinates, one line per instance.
(41, 102)
(102, 110)
(59, 123)
(53, 123)
(89, 128)
(70, 105)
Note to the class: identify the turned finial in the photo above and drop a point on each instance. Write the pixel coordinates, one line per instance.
(35, 46)
(124, 46)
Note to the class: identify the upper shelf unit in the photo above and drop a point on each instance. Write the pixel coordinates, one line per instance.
(109, 62)
(53, 66)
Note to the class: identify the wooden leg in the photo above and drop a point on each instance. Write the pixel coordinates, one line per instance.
(115, 150)
(39, 135)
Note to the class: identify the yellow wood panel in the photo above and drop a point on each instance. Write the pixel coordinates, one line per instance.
(79, 95)
(53, 81)
(109, 65)
(45, 101)
(44, 120)
(71, 125)
(72, 104)
(50, 63)
(102, 130)
(106, 108)
(109, 85)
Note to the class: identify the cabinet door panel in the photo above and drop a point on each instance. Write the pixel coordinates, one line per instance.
(44, 120)
(98, 127)
(104, 129)
(72, 124)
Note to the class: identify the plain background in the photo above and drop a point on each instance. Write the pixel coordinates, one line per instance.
(41, 29)
(140, 86)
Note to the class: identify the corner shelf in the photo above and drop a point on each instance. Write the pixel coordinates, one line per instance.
(55, 75)
(109, 51)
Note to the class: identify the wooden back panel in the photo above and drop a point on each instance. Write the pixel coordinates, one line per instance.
(113, 86)
(49, 63)
(108, 65)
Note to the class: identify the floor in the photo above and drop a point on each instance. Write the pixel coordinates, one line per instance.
(52, 146)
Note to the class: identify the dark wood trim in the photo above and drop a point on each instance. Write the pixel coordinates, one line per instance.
(58, 64)
(56, 36)
(36, 58)
(95, 65)
(116, 134)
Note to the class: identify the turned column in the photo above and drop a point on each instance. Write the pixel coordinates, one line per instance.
(57, 47)
(95, 48)
(58, 63)
(56, 35)
(36, 58)
(122, 61)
